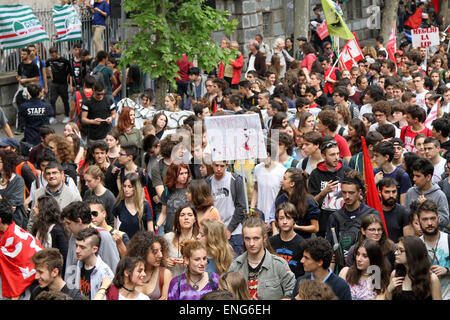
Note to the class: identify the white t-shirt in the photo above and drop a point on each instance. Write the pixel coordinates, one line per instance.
(439, 256)
(367, 108)
(420, 100)
(251, 64)
(141, 296)
(439, 169)
(269, 184)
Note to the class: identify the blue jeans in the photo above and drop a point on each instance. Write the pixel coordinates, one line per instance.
(237, 243)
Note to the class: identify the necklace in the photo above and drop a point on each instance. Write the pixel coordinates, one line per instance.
(127, 289)
(195, 284)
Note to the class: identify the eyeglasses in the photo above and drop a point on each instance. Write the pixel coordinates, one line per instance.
(94, 213)
(123, 154)
(327, 48)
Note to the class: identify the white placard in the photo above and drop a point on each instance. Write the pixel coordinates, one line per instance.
(425, 37)
(235, 137)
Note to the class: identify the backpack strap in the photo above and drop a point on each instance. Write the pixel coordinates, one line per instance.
(305, 163)
(211, 282)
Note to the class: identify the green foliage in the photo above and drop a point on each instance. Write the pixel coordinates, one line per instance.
(167, 29)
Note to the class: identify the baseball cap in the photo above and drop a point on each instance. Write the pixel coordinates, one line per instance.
(9, 142)
(397, 141)
(302, 39)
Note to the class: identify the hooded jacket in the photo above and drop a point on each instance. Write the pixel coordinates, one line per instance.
(435, 194)
(318, 180)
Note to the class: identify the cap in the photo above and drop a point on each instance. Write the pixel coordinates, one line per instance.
(10, 142)
(396, 141)
(302, 39)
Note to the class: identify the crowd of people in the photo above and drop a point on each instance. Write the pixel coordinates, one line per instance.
(125, 207)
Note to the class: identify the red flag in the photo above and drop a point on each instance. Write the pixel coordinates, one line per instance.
(392, 45)
(322, 30)
(16, 249)
(351, 54)
(373, 199)
(436, 5)
(415, 20)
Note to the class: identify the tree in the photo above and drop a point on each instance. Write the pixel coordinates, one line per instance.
(167, 30)
(390, 13)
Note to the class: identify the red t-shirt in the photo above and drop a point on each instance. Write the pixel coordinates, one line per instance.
(344, 150)
(308, 61)
(407, 136)
(328, 88)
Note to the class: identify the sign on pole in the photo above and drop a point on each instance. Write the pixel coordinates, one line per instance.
(235, 137)
(425, 37)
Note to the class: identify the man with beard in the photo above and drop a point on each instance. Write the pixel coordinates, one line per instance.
(437, 244)
(396, 215)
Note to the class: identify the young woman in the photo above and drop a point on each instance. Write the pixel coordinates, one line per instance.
(129, 275)
(78, 150)
(132, 212)
(368, 255)
(113, 141)
(294, 184)
(344, 118)
(185, 227)
(153, 249)
(372, 227)
(196, 281)
(95, 178)
(70, 128)
(412, 279)
(160, 123)
(172, 102)
(128, 133)
(235, 283)
(368, 119)
(436, 80)
(306, 123)
(356, 129)
(279, 121)
(64, 154)
(413, 227)
(12, 186)
(175, 182)
(199, 195)
(48, 227)
(213, 234)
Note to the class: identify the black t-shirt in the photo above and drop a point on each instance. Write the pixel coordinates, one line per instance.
(28, 70)
(289, 251)
(78, 72)
(85, 282)
(61, 69)
(396, 219)
(99, 109)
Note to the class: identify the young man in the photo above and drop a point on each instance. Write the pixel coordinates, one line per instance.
(285, 150)
(60, 73)
(41, 66)
(228, 191)
(248, 97)
(437, 244)
(396, 215)
(78, 217)
(441, 130)
(398, 154)
(420, 91)
(100, 11)
(98, 113)
(104, 73)
(259, 266)
(91, 270)
(235, 104)
(270, 77)
(267, 176)
(218, 102)
(425, 189)
(99, 214)
(324, 182)
(415, 116)
(431, 148)
(287, 243)
(313, 107)
(383, 153)
(382, 111)
(197, 85)
(317, 256)
(201, 110)
(311, 149)
(79, 71)
(36, 113)
(49, 263)
(327, 125)
(27, 72)
(79, 97)
(341, 96)
(301, 106)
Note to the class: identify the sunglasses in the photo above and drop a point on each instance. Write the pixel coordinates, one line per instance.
(330, 144)
(94, 213)
(123, 154)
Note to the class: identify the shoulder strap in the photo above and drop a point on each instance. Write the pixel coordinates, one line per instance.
(161, 278)
(341, 131)
(179, 285)
(294, 163)
(305, 163)
(211, 282)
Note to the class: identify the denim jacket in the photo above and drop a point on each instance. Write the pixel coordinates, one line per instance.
(101, 270)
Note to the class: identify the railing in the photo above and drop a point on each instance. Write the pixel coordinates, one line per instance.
(10, 59)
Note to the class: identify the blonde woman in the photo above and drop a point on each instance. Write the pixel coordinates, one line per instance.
(132, 212)
(213, 234)
(172, 102)
(235, 283)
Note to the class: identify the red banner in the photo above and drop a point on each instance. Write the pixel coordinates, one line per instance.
(392, 45)
(351, 54)
(322, 30)
(17, 247)
(373, 199)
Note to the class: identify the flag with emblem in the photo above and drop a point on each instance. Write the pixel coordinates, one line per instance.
(19, 27)
(67, 23)
(335, 21)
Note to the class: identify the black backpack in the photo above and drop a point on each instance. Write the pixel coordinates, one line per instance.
(349, 228)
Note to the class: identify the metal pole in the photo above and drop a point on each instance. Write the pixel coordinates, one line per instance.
(122, 31)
